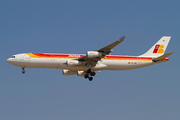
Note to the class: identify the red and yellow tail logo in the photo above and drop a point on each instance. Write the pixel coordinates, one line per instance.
(159, 49)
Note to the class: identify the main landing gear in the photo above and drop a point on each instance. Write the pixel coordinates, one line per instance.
(89, 73)
(23, 71)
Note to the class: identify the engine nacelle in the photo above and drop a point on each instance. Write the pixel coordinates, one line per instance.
(68, 72)
(81, 73)
(92, 54)
(73, 62)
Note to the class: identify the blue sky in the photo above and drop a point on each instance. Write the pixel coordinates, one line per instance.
(150, 93)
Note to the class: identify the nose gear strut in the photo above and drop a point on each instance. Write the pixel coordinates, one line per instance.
(23, 71)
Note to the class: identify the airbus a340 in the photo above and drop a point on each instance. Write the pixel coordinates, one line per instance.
(88, 64)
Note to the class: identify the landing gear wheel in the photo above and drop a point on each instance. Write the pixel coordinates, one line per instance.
(86, 76)
(90, 78)
(23, 71)
(93, 73)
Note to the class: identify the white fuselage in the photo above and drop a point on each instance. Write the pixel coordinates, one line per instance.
(107, 63)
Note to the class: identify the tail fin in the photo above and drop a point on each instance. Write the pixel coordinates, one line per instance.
(159, 48)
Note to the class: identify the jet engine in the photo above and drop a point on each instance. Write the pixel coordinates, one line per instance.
(92, 54)
(68, 72)
(81, 73)
(73, 62)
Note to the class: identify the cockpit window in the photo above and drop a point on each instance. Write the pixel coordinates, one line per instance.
(13, 57)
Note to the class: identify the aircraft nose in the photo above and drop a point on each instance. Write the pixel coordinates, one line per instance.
(9, 60)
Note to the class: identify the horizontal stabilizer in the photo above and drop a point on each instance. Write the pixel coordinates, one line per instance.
(162, 57)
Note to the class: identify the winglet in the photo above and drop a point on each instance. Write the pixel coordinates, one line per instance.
(162, 57)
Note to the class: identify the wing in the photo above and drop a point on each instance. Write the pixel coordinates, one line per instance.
(92, 57)
(106, 50)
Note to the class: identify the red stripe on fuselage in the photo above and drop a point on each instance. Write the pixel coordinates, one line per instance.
(75, 56)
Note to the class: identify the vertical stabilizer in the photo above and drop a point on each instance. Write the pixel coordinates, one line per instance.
(159, 48)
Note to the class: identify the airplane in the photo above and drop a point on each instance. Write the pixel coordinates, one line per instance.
(86, 65)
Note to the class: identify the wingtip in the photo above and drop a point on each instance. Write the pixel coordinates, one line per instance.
(122, 38)
(171, 52)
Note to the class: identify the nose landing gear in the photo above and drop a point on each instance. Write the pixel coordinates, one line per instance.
(23, 71)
